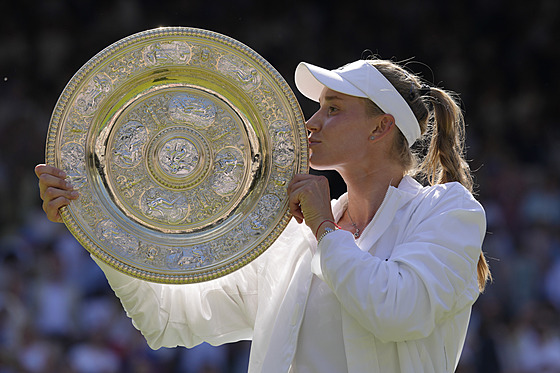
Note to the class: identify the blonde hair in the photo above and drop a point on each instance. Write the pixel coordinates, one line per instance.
(442, 124)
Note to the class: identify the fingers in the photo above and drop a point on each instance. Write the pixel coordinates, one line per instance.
(48, 169)
(51, 187)
(309, 199)
(54, 190)
(295, 209)
(50, 176)
(294, 192)
(52, 208)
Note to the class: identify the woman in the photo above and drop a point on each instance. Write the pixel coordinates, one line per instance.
(381, 280)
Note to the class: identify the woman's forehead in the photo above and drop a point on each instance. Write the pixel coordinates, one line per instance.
(329, 95)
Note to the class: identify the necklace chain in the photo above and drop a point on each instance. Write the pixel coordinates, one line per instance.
(357, 232)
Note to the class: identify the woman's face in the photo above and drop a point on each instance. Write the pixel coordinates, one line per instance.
(339, 131)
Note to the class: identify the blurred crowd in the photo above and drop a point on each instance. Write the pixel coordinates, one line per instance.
(57, 313)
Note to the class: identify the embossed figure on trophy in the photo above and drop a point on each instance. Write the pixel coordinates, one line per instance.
(179, 157)
(74, 164)
(185, 261)
(164, 206)
(195, 260)
(205, 54)
(259, 218)
(246, 75)
(205, 205)
(112, 233)
(256, 223)
(283, 150)
(158, 204)
(227, 163)
(160, 53)
(151, 253)
(228, 171)
(88, 99)
(187, 108)
(128, 145)
(199, 108)
(249, 77)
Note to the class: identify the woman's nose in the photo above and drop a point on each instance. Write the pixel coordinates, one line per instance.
(313, 123)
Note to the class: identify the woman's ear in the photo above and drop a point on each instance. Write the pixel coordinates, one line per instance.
(383, 125)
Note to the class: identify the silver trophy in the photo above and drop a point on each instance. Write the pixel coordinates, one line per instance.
(181, 143)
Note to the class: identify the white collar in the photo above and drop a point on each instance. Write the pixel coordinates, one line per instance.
(394, 199)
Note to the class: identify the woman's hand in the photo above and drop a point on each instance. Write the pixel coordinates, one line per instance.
(309, 200)
(55, 191)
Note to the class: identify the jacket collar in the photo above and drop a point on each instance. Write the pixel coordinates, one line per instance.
(395, 198)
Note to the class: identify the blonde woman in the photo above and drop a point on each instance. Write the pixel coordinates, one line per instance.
(381, 280)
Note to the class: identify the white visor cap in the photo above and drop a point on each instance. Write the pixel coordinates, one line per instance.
(359, 79)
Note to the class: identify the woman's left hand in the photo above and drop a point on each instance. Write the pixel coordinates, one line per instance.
(309, 200)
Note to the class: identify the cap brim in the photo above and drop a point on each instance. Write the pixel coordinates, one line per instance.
(310, 81)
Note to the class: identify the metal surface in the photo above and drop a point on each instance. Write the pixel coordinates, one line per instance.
(181, 143)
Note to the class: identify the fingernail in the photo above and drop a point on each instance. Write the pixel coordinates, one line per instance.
(74, 194)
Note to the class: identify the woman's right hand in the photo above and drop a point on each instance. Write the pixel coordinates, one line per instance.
(55, 191)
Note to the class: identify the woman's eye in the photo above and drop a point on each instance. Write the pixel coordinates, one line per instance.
(331, 109)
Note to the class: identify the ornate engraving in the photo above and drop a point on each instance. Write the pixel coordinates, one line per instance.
(187, 258)
(258, 221)
(127, 186)
(88, 100)
(178, 157)
(226, 133)
(232, 66)
(164, 206)
(191, 109)
(205, 204)
(129, 143)
(228, 171)
(166, 53)
(73, 158)
(116, 237)
(92, 213)
(182, 143)
(283, 143)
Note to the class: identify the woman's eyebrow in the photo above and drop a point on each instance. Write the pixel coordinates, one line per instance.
(332, 98)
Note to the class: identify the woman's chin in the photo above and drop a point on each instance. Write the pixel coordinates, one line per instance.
(320, 166)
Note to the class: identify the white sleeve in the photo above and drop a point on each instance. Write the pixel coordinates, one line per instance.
(431, 274)
(217, 311)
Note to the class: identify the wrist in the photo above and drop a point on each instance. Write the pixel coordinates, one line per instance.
(326, 231)
(326, 226)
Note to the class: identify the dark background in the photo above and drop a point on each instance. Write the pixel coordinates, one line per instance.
(57, 313)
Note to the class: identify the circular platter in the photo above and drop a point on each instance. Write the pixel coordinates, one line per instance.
(181, 143)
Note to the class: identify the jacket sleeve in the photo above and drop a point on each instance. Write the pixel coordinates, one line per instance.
(430, 275)
(216, 311)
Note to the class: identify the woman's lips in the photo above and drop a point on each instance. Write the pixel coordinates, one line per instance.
(313, 142)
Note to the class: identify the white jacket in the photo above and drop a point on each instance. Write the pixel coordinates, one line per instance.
(406, 288)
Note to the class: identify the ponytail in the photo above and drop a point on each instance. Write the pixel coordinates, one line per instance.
(445, 160)
(440, 117)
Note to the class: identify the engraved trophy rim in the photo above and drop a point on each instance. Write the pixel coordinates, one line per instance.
(181, 142)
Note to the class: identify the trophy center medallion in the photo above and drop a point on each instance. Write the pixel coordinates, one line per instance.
(178, 157)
